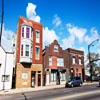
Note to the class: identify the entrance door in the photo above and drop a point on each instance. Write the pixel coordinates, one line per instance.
(39, 79)
(47, 78)
(32, 79)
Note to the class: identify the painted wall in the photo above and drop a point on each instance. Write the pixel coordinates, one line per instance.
(6, 68)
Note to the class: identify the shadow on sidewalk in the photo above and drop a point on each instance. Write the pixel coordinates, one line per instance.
(24, 96)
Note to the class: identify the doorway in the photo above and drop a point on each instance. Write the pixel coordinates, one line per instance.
(32, 79)
(39, 78)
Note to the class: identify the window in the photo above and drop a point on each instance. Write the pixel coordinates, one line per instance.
(50, 61)
(62, 76)
(21, 50)
(37, 37)
(27, 50)
(60, 62)
(37, 53)
(25, 75)
(76, 69)
(31, 51)
(55, 48)
(27, 32)
(80, 61)
(74, 59)
(80, 75)
(23, 32)
(76, 74)
(5, 78)
(53, 76)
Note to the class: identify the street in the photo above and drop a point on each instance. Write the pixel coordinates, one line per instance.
(87, 92)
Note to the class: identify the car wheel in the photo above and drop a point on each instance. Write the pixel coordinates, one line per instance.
(80, 84)
(72, 85)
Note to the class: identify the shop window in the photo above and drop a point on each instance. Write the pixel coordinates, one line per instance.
(53, 77)
(25, 75)
(63, 76)
(5, 78)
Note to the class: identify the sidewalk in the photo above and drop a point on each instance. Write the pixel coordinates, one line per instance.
(21, 90)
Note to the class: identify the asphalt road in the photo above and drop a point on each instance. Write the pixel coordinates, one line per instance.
(89, 92)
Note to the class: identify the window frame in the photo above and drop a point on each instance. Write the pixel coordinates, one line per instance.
(4, 76)
(74, 60)
(37, 36)
(27, 50)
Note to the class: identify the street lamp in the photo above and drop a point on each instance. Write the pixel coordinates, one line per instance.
(91, 44)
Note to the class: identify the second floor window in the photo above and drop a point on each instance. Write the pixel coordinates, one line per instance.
(27, 32)
(55, 48)
(23, 32)
(80, 61)
(74, 59)
(37, 53)
(60, 62)
(37, 37)
(50, 61)
(27, 50)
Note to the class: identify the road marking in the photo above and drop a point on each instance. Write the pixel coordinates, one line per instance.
(76, 95)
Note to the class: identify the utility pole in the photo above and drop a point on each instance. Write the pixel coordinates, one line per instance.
(2, 20)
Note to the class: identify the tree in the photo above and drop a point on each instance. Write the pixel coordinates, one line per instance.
(95, 66)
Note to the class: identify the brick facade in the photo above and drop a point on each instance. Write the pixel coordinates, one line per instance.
(75, 69)
(33, 71)
(48, 69)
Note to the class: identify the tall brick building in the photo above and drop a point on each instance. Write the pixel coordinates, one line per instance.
(75, 63)
(28, 53)
(54, 64)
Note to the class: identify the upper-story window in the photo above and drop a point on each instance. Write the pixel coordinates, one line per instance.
(60, 62)
(23, 32)
(27, 32)
(37, 53)
(37, 36)
(22, 50)
(55, 48)
(27, 50)
(74, 59)
(80, 61)
(50, 61)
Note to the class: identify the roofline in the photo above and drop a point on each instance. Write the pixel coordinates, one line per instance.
(20, 17)
(75, 49)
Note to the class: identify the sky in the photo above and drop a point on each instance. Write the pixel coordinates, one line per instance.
(74, 23)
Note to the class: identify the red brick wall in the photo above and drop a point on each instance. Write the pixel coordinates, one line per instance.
(36, 26)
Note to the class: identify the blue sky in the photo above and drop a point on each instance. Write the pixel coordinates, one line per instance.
(74, 23)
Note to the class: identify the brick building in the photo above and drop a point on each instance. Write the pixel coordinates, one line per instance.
(75, 63)
(29, 70)
(54, 64)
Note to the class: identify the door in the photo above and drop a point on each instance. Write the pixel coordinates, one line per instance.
(39, 79)
(32, 79)
(47, 78)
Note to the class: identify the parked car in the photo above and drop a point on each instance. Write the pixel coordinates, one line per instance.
(75, 81)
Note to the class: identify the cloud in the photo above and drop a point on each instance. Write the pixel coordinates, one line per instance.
(49, 36)
(31, 13)
(7, 39)
(56, 21)
(94, 36)
(98, 50)
(76, 31)
(82, 48)
(68, 42)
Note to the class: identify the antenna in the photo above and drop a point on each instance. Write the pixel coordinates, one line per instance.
(2, 20)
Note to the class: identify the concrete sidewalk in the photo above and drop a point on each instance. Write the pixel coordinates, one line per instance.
(22, 90)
